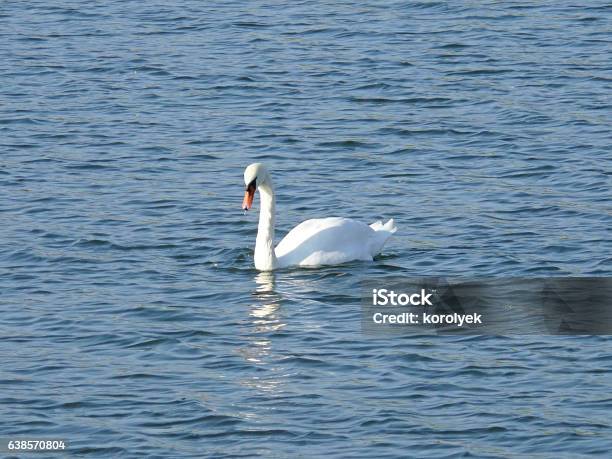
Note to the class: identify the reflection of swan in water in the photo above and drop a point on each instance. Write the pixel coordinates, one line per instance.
(264, 318)
(265, 311)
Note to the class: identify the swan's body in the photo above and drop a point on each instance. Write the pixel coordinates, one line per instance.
(320, 241)
(330, 241)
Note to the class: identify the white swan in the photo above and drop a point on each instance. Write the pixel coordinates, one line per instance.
(320, 241)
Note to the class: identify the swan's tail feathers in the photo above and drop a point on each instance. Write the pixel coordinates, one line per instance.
(388, 227)
(376, 225)
(383, 232)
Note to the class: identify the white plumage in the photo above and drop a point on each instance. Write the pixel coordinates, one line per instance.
(320, 241)
(330, 241)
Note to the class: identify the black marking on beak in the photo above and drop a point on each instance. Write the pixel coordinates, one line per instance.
(252, 185)
(249, 194)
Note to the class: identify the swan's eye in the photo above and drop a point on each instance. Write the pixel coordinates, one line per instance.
(252, 186)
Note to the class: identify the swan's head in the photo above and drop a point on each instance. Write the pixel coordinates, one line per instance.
(255, 175)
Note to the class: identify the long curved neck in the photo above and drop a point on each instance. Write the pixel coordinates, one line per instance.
(265, 259)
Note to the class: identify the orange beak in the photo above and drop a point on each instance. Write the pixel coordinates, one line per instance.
(249, 194)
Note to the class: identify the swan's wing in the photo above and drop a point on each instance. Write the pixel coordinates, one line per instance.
(304, 231)
(328, 241)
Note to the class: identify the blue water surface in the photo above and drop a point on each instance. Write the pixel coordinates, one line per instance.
(133, 322)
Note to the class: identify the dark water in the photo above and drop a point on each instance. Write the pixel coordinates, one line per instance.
(134, 324)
